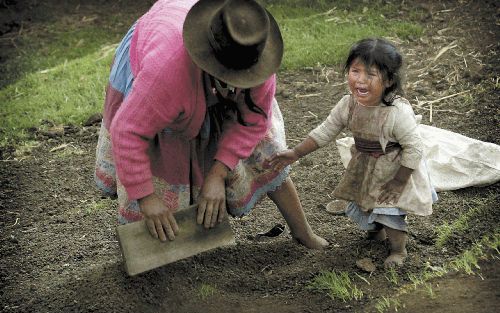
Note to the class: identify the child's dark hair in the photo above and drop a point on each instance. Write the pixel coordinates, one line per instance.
(385, 56)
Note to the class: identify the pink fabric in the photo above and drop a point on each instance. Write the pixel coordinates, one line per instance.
(168, 93)
(113, 100)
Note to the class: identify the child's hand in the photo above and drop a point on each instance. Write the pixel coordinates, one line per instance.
(281, 159)
(159, 219)
(391, 191)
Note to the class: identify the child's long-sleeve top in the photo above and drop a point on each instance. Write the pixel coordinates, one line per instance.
(392, 130)
(399, 125)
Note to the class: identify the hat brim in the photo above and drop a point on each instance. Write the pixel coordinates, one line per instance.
(195, 35)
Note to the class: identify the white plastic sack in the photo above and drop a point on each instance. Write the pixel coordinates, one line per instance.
(454, 161)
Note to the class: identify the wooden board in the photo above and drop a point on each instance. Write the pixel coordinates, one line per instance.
(141, 252)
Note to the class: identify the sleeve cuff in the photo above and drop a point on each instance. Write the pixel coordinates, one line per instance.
(316, 136)
(410, 163)
(229, 160)
(139, 191)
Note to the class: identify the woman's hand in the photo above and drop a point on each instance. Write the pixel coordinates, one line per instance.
(159, 219)
(212, 199)
(281, 159)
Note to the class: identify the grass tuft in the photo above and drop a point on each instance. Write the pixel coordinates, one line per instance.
(392, 276)
(100, 205)
(206, 291)
(468, 260)
(386, 303)
(486, 247)
(25, 148)
(460, 224)
(337, 285)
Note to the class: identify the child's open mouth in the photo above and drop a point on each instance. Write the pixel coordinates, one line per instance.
(362, 92)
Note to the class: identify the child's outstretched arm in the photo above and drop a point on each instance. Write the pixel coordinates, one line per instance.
(281, 159)
(317, 138)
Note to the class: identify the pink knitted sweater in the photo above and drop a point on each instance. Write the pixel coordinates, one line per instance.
(168, 92)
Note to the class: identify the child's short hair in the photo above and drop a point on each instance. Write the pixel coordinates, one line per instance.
(385, 56)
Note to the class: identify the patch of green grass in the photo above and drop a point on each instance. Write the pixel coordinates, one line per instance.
(65, 45)
(468, 260)
(392, 276)
(63, 30)
(59, 71)
(415, 280)
(460, 224)
(486, 247)
(430, 291)
(322, 33)
(100, 205)
(24, 149)
(205, 291)
(386, 303)
(338, 285)
(66, 94)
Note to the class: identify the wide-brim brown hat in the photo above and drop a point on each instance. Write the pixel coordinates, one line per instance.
(236, 41)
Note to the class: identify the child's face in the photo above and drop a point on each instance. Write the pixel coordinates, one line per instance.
(366, 84)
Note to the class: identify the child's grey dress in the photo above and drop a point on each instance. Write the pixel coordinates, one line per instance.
(385, 137)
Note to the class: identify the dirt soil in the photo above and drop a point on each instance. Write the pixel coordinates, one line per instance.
(60, 254)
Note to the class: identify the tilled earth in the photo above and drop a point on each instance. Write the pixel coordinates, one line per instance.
(58, 244)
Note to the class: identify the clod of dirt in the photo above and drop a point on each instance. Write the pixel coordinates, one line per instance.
(94, 119)
(366, 265)
(55, 131)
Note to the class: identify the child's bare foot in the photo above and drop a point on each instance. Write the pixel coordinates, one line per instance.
(395, 259)
(397, 240)
(312, 242)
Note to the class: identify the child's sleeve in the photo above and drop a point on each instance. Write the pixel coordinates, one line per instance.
(333, 125)
(406, 134)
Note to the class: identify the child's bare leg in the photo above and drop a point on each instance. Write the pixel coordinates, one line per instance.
(287, 200)
(377, 234)
(397, 240)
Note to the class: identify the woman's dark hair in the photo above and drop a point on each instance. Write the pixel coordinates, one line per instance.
(385, 56)
(224, 107)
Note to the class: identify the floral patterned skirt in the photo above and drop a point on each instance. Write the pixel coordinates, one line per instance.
(250, 180)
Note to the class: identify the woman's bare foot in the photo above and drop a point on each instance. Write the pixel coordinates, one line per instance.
(312, 242)
(287, 200)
